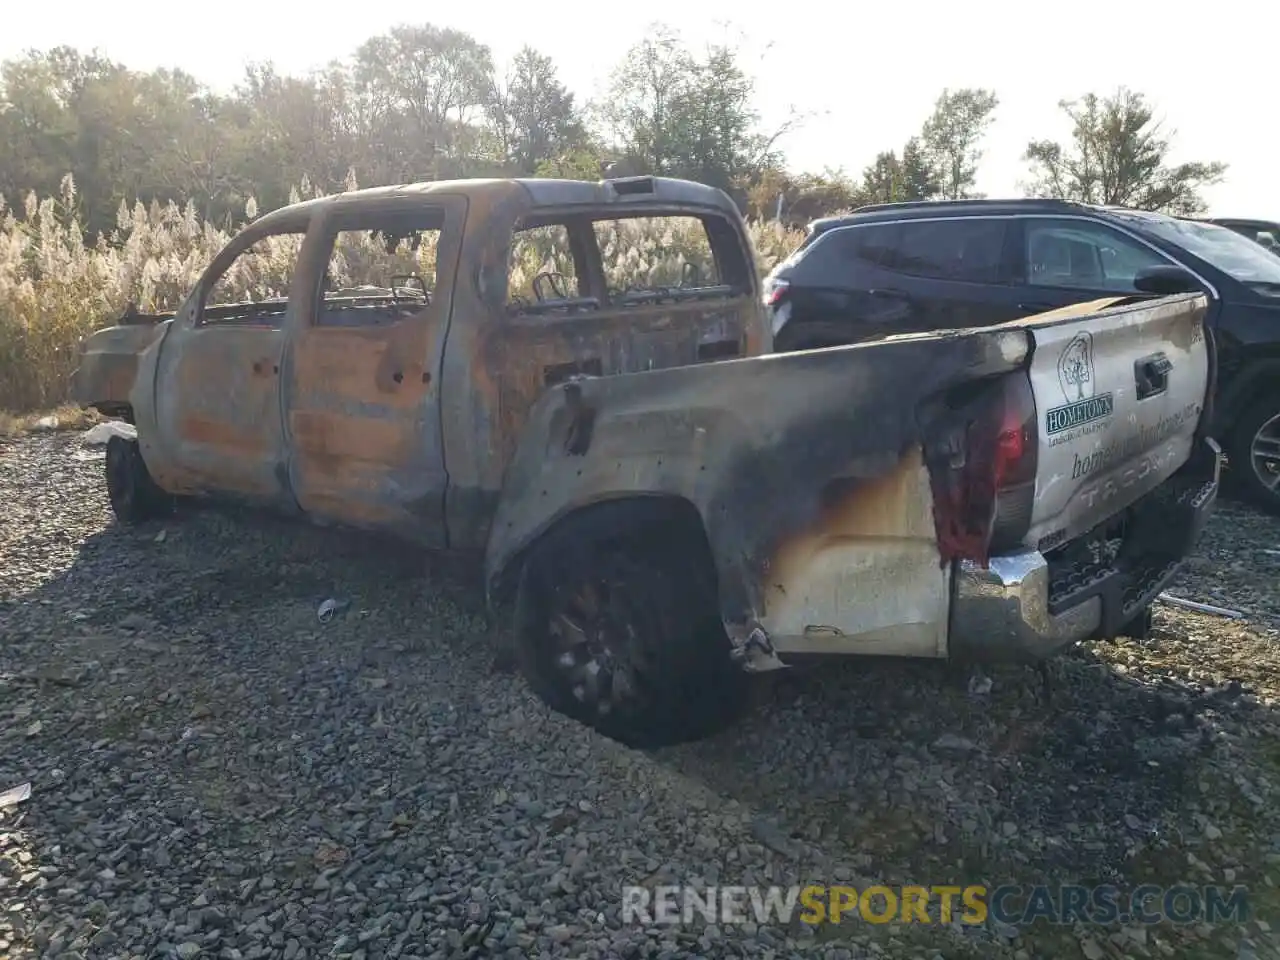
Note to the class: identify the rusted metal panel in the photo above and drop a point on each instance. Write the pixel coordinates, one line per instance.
(217, 413)
(362, 404)
(806, 468)
(498, 364)
(406, 427)
(109, 365)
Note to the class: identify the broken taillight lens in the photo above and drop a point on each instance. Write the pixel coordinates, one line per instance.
(982, 468)
(1016, 455)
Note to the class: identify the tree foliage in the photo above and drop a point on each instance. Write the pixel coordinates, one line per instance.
(426, 102)
(1118, 156)
(950, 138)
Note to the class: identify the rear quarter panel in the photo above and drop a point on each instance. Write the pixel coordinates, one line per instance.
(109, 364)
(807, 469)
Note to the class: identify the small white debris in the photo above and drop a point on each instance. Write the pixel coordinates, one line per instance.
(1201, 607)
(45, 424)
(979, 684)
(953, 743)
(99, 434)
(331, 608)
(15, 795)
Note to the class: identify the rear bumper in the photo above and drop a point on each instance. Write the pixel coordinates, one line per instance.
(1025, 606)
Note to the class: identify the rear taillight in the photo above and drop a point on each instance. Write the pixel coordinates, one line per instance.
(1016, 456)
(775, 291)
(982, 465)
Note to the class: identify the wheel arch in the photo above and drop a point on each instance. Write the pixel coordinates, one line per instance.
(613, 516)
(1256, 382)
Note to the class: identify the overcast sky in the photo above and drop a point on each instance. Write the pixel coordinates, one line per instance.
(868, 73)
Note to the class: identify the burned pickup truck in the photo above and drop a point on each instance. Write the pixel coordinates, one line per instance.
(495, 368)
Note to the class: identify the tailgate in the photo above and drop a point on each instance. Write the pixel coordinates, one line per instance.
(1119, 392)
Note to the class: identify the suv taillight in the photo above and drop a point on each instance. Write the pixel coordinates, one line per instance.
(775, 291)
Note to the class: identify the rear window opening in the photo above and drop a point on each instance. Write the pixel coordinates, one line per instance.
(542, 273)
(655, 258)
(380, 275)
(581, 262)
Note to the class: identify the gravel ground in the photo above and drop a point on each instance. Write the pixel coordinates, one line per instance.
(215, 773)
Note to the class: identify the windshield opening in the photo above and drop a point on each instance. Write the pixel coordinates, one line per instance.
(1237, 256)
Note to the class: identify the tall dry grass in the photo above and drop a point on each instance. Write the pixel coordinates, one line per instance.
(55, 287)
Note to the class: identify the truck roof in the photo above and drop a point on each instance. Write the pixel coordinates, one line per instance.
(541, 192)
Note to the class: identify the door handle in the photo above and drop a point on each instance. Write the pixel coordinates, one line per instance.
(1035, 307)
(263, 366)
(1151, 375)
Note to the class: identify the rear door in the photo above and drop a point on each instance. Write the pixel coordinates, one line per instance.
(598, 293)
(908, 276)
(1119, 393)
(361, 378)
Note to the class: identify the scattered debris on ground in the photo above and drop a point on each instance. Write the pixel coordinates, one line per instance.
(216, 770)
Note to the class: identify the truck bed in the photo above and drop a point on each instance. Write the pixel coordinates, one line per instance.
(841, 489)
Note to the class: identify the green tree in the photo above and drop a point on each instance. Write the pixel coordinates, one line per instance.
(421, 87)
(671, 113)
(894, 179)
(1117, 156)
(950, 137)
(532, 113)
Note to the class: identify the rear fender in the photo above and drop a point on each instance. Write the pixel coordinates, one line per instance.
(806, 469)
(108, 369)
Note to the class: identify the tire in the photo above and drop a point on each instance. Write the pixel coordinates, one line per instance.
(649, 662)
(1139, 628)
(1254, 455)
(135, 497)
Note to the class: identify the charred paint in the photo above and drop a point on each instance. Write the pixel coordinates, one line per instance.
(864, 571)
(109, 365)
(806, 468)
(408, 425)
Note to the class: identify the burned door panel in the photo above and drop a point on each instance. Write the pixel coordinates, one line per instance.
(525, 357)
(217, 376)
(362, 392)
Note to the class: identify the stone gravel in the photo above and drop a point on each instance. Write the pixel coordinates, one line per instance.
(216, 773)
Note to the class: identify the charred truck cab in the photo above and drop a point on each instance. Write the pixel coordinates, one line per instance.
(666, 505)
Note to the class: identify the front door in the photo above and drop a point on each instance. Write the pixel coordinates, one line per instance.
(362, 366)
(1064, 261)
(217, 377)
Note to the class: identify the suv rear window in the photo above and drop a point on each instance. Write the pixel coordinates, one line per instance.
(970, 250)
(838, 247)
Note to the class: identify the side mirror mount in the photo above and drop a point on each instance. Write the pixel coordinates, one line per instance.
(1165, 280)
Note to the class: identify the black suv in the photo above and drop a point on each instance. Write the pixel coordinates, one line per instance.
(909, 267)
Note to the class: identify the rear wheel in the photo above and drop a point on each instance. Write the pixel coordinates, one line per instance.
(623, 634)
(1255, 454)
(135, 497)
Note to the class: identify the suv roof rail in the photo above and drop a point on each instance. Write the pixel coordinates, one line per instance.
(1050, 202)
